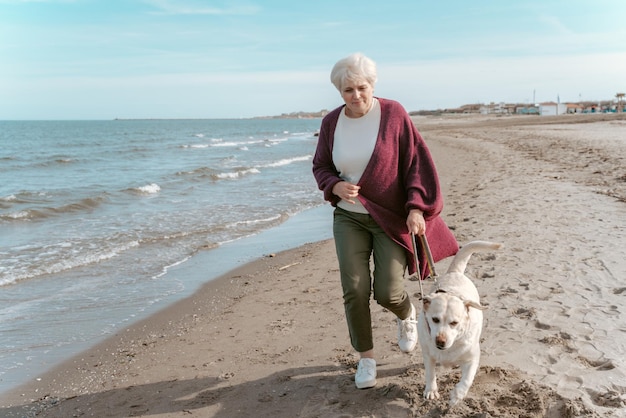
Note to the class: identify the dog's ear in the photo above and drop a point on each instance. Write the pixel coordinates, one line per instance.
(471, 304)
(426, 302)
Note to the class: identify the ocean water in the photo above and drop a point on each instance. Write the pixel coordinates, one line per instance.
(105, 222)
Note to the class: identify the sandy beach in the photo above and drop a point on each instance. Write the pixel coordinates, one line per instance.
(269, 339)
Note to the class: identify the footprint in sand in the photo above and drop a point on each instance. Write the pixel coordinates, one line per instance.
(608, 399)
(524, 313)
(619, 291)
(600, 364)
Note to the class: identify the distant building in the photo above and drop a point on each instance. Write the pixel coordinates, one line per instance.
(552, 109)
(574, 108)
(497, 108)
(545, 109)
(527, 110)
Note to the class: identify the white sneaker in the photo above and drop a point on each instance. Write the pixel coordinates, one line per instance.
(407, 332)
(365, 373)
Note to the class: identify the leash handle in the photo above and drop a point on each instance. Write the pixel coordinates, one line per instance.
(429, 257)
(417, 265)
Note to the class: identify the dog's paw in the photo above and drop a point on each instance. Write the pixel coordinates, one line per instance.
(431, 394)
(456, 396)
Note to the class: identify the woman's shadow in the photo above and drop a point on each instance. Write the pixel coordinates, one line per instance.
(316, 391)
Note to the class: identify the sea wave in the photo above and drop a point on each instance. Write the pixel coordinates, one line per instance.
(165, 269)
(14, 216)
(201, 173)
(238, 172)
(235, 144)
(257, 221)
(286, 161)
(239, 144)
(7, 201)
(250, 227)
(148, 189)
(231, 175)
(276, 140)
(61, 263)
(53, 161)
(40, 213)
(27, 197)
(202, 145)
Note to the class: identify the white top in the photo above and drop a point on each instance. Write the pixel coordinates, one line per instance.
(353, 146)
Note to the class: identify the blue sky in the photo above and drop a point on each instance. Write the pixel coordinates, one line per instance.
(102, 59)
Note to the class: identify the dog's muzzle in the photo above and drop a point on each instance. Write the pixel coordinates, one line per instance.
(440, 343)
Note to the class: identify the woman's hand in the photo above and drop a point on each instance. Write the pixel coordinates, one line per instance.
(346, 191)
(415, 222)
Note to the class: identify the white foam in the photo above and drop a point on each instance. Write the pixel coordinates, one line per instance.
(22, 214)
(237, 174)
(288, 161)
(236, 143)
(256, 221)
(149, 188)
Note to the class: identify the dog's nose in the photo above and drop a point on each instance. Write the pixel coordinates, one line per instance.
(440, 342)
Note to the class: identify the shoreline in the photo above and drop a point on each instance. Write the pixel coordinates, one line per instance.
(221, 260)
(269, 338)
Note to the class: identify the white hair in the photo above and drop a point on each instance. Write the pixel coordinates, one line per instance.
(354, 67)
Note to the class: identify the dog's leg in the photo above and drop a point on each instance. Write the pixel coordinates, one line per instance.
(431, 391)
(468, 372)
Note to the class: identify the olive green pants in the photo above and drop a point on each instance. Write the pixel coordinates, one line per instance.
(357, 238)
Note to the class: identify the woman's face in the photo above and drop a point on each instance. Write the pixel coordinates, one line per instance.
(358, 96)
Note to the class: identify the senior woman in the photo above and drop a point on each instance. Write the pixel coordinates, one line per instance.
(372, 164)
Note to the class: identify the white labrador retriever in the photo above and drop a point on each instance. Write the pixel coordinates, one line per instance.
(450, 323)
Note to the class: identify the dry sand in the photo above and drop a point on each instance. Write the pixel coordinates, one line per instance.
(269, 339)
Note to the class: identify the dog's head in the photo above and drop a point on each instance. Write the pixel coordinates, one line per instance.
(447, 317)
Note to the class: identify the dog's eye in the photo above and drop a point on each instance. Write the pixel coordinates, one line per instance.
(454, 323)
(436, 320)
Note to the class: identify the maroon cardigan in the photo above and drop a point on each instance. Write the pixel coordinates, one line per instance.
(400, 176)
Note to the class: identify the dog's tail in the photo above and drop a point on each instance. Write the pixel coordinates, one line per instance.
(462, 257)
